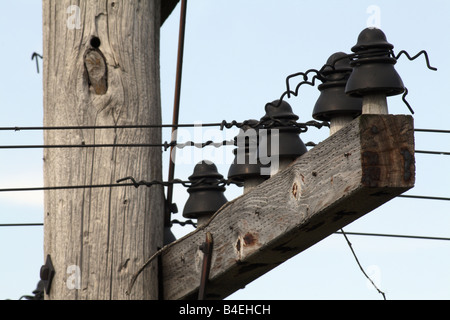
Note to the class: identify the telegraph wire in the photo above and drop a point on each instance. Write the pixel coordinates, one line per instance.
(423, 197)
(393, 236)
(72, 146)
(186, 184)
(190, 222)
(111, 185)
(222, 125)
(27, 189)
(432, 130)
(166, 145)
(120, 183)
(359, 264)
(138, 126)
(441, 153)
(22, 225)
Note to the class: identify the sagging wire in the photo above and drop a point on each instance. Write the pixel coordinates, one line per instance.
(360, 267)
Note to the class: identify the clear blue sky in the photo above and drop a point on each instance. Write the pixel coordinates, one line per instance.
(237, 55)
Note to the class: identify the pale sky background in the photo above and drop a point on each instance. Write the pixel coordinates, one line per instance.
(237, 56)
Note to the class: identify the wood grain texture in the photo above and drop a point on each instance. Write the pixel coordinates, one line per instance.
(105, 232)
(360, 167)
(96, 70)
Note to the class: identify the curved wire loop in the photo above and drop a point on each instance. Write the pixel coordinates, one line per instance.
(186, 184)
(427, 60)
(319, 75)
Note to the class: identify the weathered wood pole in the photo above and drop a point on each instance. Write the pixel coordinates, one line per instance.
(101, 67)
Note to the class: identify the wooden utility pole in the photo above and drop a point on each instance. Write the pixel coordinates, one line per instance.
(101, 67)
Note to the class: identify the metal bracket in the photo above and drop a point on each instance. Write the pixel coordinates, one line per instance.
(206, 248)
(47, 272)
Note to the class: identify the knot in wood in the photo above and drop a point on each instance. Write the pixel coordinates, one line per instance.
(96, 70)
(295, 190)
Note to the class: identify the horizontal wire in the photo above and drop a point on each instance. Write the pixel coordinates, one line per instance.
(40, 224)
(136, 184)
(222, 125)
(190, 222)
(64, 146)
(73, 187)
(26, 189)
(137, 126)
(165, 145)
(424, 197)
(22, 225)
(143, 126)
(432, 130)
(393, 235)
(119, 183)
(442, 153)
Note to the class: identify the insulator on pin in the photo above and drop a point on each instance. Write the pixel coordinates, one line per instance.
(206, 195)
(334, 104)
(281, 144)
(373, 77)
(246, 167)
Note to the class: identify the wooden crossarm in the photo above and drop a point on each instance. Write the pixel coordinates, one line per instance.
(363, 165)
